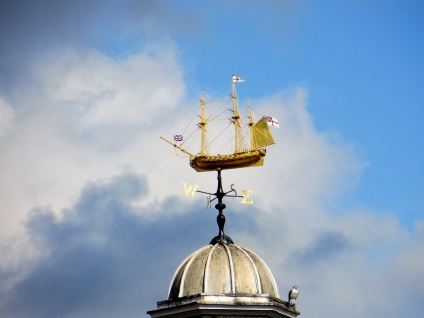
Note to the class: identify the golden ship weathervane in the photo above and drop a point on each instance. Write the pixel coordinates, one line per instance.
(248, 150)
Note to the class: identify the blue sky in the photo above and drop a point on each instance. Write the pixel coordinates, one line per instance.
(86, 185)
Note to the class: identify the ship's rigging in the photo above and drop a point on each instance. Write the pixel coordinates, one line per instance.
(221, 147)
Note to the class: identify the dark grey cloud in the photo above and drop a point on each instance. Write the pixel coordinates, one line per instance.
(101, 258)
(326, 247)
(29, 24)
(30, 30)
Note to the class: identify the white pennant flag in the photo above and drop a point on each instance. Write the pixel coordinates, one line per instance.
(272, 121)
(237, 79)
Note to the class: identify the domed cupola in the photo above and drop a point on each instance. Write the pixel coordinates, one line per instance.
(223, 279)
(222, 269)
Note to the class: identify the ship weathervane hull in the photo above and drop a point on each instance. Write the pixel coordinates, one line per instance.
(251, 158)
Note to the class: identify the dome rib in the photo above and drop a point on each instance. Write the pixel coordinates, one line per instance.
(183, 277)
(232, 272)
(173, 288)
(255, 270)
(206, 271)
(270, 276)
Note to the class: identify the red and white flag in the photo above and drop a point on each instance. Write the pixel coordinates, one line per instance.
(237, 79)
(272, 121)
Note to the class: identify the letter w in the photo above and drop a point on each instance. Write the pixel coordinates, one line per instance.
(190, 189)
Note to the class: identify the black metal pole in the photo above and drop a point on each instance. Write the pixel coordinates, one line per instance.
(221, 238)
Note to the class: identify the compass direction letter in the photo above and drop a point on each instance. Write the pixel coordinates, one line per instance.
(246, 196)
(190, 189)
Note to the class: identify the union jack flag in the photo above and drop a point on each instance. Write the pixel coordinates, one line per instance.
(178, 137)
(272, 121)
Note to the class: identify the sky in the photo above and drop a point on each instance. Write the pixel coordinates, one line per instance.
(94, 219)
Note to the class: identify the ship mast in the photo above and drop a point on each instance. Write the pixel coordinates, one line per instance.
(235, 119)
(202, 125)
(251, 123)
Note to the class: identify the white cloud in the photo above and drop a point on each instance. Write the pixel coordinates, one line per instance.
(111, 92)
(82, 119)
(7, 116)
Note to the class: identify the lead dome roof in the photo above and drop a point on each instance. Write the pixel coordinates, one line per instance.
(222, 269)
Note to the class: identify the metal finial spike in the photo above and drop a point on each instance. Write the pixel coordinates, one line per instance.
(221, 238)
